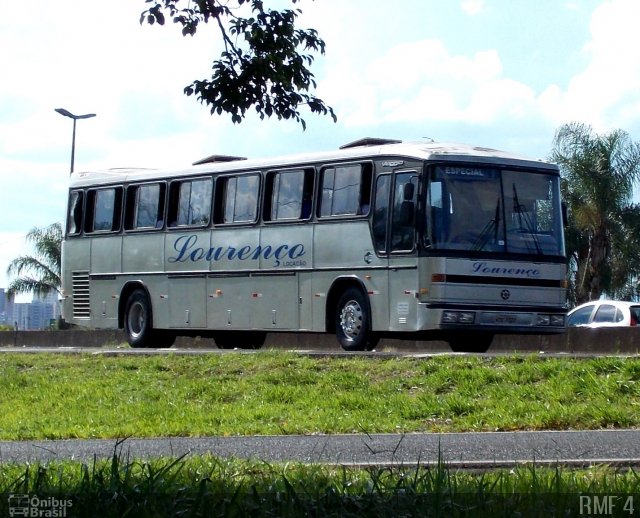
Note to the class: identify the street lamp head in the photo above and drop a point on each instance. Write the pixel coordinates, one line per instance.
(67, 113)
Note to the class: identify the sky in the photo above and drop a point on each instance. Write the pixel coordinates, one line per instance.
(494, 73)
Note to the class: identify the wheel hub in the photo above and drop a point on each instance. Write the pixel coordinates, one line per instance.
(137, 318)
(351, 319)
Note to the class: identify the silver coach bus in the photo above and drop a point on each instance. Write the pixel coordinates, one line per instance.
(379, 237)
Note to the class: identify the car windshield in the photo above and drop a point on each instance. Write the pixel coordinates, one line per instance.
(484, 209)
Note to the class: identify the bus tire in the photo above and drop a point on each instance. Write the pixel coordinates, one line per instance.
(138, 320)
(353, 322)
(470, 342)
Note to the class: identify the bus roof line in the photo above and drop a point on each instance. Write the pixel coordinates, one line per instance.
(411, 150)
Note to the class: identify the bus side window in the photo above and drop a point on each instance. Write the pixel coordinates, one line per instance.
(74, 221)
(346, 190)
(237, 199)
(287, 195)
(190, 202)
(145, 206)
(104, 208)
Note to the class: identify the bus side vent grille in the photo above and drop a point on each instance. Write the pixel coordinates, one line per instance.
(81, 295)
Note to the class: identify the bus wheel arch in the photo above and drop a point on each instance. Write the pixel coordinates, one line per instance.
(125, 294)
(348, 315)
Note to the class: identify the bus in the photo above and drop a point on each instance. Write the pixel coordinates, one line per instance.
(378, 238)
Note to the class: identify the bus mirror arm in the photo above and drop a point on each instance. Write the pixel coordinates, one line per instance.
(565, 214)
(407, 209)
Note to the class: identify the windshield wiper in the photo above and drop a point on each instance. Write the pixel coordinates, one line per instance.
(525, 221)
(490, 230)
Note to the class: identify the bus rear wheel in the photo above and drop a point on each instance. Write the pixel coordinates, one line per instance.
(353, 322)
(138, 323)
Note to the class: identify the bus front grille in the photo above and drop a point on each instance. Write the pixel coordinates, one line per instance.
(81, 295)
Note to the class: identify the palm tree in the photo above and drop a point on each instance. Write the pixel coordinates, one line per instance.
(39, 274)
(599, 173)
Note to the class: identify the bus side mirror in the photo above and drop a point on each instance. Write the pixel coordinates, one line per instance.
(565, 214)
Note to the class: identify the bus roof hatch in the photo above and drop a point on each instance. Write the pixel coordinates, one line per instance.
(370, 141)
(218, 158)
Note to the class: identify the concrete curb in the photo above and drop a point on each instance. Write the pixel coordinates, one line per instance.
(580, 340)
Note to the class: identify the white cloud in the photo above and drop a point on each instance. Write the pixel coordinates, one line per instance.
(423, 81)
(605, 93)
(472, 7)
(12, 245)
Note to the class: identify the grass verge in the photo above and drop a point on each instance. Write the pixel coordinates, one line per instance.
(50, 396)
(206, 486)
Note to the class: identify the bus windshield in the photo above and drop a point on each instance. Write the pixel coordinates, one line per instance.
(483, 209)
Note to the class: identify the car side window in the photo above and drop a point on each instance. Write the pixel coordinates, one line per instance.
(580, 317)
(605, 313)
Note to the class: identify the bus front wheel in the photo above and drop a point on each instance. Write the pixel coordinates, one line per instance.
(353, 322)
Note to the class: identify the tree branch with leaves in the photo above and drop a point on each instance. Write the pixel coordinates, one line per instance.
(40, 273)
(265, 63)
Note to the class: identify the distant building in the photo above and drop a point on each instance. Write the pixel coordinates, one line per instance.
(3, 307)
(52, 305)
(6, 308)
(40, 313)
(21, 315)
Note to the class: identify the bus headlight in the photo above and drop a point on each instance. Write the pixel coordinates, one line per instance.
(543, 320)
(557, 320)
(550, 320)
(458, 317)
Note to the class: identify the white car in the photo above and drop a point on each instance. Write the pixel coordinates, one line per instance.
(605, 313)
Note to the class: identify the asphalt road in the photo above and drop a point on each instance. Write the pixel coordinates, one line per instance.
(457, 450)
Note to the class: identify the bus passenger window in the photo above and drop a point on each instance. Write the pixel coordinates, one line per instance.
(346, 190)
(287, 195)
(105, 203)
(148, 207)
(241, 199)
(190, 203)
(103, 210)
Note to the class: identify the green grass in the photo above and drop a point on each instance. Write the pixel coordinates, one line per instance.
(206, 486)
(96, 396)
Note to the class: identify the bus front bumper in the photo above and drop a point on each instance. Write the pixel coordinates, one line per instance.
(505, 320)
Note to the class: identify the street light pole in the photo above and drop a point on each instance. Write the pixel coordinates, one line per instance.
(67, 113)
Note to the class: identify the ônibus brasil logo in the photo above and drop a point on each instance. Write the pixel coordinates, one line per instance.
(34, 506)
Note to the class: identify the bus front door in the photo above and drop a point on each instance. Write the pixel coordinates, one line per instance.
(403, 261)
